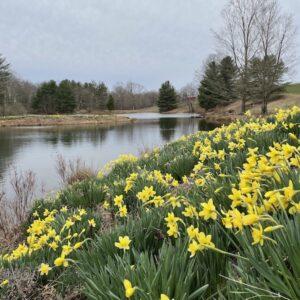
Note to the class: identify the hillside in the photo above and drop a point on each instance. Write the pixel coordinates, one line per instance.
(213, 215)
(294, 88)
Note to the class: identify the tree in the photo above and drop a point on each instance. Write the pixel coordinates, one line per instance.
(19, 94)
(4, 77)
(209, 90)
(276, 40)
(227, 77)
(167, 97)
(239, 39)
(45, 99)
(110, 103)
(256, 29)
(101, 95)
(65, 100)
(188, 94)
(267, 79)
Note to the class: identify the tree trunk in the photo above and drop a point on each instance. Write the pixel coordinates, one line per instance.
(243, 107)
(264, 107)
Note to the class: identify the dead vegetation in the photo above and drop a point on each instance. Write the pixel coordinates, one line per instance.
(73, 170)
(60, 120)
(15, 208)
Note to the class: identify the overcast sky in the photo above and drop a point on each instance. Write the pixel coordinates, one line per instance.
(145, 41)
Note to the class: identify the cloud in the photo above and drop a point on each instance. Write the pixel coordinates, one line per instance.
(145, 41)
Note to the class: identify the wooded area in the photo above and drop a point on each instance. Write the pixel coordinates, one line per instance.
(255, 52)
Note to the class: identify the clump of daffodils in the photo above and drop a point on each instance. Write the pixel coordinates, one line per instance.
(44, 235)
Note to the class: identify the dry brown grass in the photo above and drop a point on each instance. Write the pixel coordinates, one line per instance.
(73, 170)
(14, 209)
(57, 120)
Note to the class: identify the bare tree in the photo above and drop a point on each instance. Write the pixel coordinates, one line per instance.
(132, 95)
(240, 39)
(4, 77)
(188, 94)
(276, 44)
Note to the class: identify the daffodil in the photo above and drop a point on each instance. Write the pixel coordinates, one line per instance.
(4, 282)
(129, 289)
(61, 261)
(208, 211)
(118, 200)
(257, 235)
(123, 211)
(123, 243)
(44, 269)
(92, 223)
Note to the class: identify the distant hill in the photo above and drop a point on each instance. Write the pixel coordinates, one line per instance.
(293, 88)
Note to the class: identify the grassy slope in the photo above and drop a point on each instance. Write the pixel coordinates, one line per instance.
(103, 267)
(294, 88)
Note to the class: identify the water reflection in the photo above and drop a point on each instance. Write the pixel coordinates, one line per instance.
(167, 128)
(37, 148)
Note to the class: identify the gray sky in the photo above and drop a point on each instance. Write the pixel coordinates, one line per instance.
(145, 41)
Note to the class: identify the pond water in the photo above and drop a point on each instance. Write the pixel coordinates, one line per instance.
(37, 148)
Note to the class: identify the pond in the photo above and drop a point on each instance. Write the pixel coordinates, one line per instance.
(37, 148)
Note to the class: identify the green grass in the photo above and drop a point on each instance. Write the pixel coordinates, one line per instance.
(157, 263)
(293, 88)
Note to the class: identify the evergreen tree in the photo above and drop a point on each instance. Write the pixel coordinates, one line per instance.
(4, 77)
(110, 103)
(45, 99)
(210, 87)
(101, 95)
(228, 74)
(65, 100)
(266, 79)
(167, 97)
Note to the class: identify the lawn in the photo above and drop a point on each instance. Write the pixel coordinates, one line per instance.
(213, 215)
(293, 88)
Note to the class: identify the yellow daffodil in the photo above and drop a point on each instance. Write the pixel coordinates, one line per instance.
(61, 261)
(92, 223)
(123, 243)
(208, 211)
(44, 269)
(129, 289)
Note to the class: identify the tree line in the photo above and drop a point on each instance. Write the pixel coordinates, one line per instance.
(255, 48)
(257, 40)
(20, 97)
(51, 97)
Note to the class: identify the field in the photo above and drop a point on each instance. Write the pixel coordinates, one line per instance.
(293, 88)
(213, 215)
(57, 120)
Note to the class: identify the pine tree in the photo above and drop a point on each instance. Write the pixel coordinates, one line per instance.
(167, 99)
(210, 87)
(228, 74)
(4, 77)
(266, 79)
(65, 100)
(101, 95)
(110, 103)
(44, 100)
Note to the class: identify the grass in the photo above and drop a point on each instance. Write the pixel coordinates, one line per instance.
(293, 88)
(213, 215)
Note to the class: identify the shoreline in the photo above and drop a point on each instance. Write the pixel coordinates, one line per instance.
(63, 120)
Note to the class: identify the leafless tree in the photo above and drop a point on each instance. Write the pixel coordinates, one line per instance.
(188, 95)
(239, 38)
(276, 40)
(257, 29)
(132, 95)
(4, 77)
